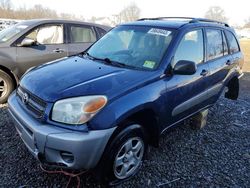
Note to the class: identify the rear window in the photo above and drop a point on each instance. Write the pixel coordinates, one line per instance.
(214, 44)
(233, 44)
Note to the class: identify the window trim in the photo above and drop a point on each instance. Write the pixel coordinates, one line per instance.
(226, 42)
(41, 25)
(69, 38)
(218, 29)
(98, 33)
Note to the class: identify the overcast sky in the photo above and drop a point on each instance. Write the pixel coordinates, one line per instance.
(237, 11)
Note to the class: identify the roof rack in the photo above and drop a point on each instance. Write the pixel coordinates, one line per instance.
(195, 20)
(192, 20)
(165, 18)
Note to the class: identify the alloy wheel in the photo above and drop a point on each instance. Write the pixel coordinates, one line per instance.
(3, 87)
(129, 158)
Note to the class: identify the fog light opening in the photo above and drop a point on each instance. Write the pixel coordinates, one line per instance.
(67, 156)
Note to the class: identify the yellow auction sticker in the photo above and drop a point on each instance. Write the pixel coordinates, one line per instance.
(149, 64)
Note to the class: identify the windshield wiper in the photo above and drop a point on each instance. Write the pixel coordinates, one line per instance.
(109, 61)
(116, 63)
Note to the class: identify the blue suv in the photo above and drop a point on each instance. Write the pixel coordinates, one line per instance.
(101, 109)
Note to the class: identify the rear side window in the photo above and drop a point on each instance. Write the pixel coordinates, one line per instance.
(233, 44)
(214, 44)
(191, 47)
(82, 34)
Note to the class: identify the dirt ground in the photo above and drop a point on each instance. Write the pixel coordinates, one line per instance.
(245, 46)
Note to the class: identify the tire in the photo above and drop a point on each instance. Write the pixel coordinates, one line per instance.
(123, 157)
(6, 86)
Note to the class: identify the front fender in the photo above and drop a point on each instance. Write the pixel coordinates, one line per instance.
(147, 97)
(8, 58)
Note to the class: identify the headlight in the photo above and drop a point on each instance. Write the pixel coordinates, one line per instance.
(78, 110)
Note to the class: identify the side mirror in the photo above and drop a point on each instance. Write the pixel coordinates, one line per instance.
(27, 42)
(184, 67)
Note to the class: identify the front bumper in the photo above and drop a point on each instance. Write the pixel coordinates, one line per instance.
(58, 146)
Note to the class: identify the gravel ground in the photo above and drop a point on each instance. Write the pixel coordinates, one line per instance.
(216, 156)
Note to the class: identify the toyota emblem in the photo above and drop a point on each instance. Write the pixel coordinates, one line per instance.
(25, 98)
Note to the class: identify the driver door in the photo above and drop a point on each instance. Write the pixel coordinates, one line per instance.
(188, 93)
(50, 45)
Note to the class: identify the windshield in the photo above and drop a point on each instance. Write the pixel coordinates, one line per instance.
(134, 46)
(10, 32)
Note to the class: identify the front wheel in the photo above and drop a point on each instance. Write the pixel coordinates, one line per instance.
(129, 158)
(124, 157)
(6, 86)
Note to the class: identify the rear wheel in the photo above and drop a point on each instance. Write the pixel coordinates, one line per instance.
(6, 86)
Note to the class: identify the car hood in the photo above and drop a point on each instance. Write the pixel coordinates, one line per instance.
(4, 44)
(77, 76)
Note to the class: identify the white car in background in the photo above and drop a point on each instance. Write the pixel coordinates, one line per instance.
(5, 23)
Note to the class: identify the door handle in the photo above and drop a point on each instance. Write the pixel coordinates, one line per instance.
(204, 72)
(58, 50)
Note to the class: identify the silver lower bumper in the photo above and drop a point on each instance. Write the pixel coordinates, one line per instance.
(58, 146)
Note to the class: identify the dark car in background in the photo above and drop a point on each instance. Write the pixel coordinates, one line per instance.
(34, 42)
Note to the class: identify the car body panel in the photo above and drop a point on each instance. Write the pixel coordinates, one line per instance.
(41, 54)
(97, 78)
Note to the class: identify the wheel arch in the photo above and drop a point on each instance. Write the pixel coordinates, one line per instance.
(11, 74)
(147, 119)
(233, 88)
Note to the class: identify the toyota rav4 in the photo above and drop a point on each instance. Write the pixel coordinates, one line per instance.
(102, 108)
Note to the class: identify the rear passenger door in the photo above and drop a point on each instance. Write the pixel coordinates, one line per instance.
(218, 59)
(80, 37)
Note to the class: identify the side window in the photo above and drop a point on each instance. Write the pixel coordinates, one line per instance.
(233, 44)
(81, 34)
(101, 31)
(47, 34)
(225, 47)
(191, 47)
(214, 44)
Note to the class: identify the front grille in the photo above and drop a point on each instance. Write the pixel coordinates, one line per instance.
(33, 103)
